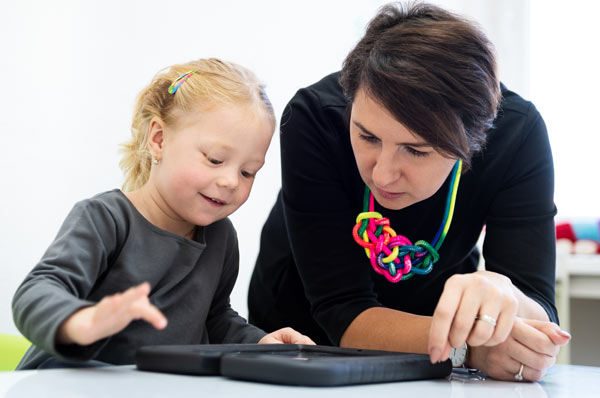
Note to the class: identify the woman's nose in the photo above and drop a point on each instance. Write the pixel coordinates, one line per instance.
(386, 170)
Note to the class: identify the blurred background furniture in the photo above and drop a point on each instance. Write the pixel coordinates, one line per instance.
(12, 348)
(577, 301)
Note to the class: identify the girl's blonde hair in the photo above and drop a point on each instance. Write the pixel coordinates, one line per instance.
(214, 82)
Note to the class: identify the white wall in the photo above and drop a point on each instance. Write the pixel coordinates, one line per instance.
(71, 71)
(565, 56)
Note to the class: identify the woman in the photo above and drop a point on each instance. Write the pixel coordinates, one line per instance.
(418, 118)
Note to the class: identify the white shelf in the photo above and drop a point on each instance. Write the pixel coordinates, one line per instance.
(577, 277)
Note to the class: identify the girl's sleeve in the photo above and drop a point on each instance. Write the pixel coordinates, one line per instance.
(520, 232)
(224, 324)
(58, 285)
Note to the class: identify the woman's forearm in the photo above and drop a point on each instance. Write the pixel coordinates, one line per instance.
(380, 328)
(387, 329)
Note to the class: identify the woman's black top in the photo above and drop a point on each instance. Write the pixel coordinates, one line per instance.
(311, 275)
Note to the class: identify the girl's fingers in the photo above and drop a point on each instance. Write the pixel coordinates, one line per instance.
(295, 337)
(139, 307)
(117, 311)
(269, 339)
(135, 292)
(286, 336)
(153, 316)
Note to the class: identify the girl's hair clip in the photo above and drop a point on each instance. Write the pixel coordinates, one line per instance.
(180, 80)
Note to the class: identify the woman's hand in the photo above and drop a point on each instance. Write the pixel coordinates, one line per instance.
(111, 315)
(478, 308)
(286, 336)
(534, 344)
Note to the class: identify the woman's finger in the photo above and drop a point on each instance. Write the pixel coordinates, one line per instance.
(503, 361)
(518, 371)
(482, 331)
(550, 329)
(464, 320)
(443, 317)
(483, 313)
(504, 324)
(534, 364)
(534, 339)
(525, 346)
(520, 350)
(504, 320)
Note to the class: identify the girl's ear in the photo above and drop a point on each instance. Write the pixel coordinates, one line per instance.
(156, 138)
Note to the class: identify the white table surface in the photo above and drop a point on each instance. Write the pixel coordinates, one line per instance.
(127, 382)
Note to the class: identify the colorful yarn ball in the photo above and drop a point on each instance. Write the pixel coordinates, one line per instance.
(390, 254)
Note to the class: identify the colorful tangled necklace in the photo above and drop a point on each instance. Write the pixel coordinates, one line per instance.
(394, 256)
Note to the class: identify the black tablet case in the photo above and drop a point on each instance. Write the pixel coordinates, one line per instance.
(305, 365)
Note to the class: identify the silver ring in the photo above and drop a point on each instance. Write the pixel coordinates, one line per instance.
(486, 319)
(519, 376)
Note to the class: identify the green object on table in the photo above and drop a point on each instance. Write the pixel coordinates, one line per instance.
(12, 348)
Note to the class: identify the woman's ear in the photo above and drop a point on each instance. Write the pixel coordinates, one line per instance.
(156, 138)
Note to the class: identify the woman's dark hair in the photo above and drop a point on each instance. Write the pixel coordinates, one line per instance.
(434, 71)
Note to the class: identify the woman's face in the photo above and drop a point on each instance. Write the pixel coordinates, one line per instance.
(397, 165)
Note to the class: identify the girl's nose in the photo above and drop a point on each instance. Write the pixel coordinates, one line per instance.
(228, 179)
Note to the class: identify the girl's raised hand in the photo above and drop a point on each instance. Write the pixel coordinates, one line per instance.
(286, 336)
(478, 308)
(111, 315)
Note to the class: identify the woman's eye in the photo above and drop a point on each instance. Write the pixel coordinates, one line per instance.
(368, 138)
(414, 152)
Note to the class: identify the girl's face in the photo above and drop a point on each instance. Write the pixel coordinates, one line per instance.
(397, 165)
(208, 160)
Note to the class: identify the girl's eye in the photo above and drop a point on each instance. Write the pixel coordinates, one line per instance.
(213, 160)
(414, 152)
(246, 174)
(368, 138)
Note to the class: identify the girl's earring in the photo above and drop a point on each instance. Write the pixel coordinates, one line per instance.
(154, 161)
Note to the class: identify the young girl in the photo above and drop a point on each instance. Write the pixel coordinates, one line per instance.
(124, 263)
